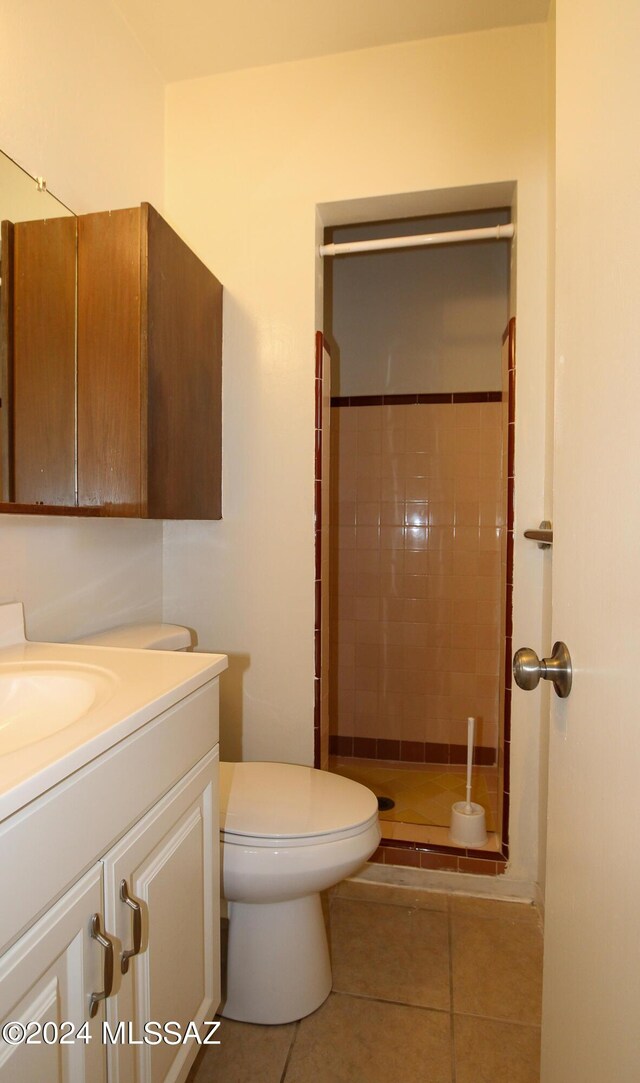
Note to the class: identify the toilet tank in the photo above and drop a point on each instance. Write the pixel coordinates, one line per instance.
(155, 637)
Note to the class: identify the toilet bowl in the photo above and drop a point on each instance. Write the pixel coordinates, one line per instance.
(287, 832)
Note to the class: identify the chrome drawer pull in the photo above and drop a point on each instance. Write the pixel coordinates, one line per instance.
(111, 946)
(139, 909)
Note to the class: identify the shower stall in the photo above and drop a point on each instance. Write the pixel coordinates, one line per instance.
(419, 495)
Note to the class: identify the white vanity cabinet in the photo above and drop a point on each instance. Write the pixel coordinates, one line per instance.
(144, 813)
(47, 978)
(169, 863)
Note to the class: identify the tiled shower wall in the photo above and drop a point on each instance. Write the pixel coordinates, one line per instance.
(417, 540)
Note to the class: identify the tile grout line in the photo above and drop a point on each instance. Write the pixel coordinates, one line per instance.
(451, 1010)
(385, 1000)
(291, 1045)
(430, 1008)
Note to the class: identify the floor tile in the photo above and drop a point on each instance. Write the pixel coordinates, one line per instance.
(391, 894)
(390, 952)
(497, 968)
(490, 1052)
(351, 1040)
(247, 1053)
(423, 795)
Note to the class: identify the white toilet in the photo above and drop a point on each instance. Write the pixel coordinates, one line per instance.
(287, 832)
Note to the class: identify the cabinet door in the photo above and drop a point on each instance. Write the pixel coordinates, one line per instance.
(41, 379)
(111, 441)
(47, 977)
(183, 344)
(170, 862)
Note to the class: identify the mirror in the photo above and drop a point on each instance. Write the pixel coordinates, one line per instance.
(37, 393)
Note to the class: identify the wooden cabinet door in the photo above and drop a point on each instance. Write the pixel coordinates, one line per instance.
(111, 441)
(40, 379)
(183, 341)
(149, 370)
(170, 862)
(47, 977)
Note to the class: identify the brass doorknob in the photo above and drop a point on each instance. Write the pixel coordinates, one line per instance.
(528, 669)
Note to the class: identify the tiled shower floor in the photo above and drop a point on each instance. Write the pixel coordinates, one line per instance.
(423, 794)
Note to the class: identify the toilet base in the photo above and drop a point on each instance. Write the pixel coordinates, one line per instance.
(278, 966)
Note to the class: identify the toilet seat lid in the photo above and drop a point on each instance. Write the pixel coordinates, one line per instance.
(288, 801)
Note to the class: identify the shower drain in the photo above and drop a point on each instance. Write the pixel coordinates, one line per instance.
(385, 803)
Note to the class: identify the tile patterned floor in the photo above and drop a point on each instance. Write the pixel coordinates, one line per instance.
(428, 988)
(423, 795)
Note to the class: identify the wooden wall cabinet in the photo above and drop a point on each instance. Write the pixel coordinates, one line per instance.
(37, 353)
(143, 328)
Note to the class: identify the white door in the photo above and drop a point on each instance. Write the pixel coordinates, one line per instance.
(169, 862)
(591, 1010)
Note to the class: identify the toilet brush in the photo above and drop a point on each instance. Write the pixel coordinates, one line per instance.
(468, 826)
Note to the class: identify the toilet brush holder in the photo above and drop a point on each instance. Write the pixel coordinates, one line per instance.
(468, 824)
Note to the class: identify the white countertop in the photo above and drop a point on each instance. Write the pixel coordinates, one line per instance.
(141, 685)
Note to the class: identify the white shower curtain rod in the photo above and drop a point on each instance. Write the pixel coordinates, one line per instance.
(487, 233)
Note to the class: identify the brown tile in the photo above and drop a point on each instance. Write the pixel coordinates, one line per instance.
(506, 776)
(491, 1052)
(401, 856)
(484, 756)
(497, 968)
(388, 749)
(433, 398)
(439, 862)
(478, 866)
(341, 746)
(351, 1039)
(318, 404)
(510, 541)
(390, 953)
(247, 1052)
(318, 354)
(318, 554)
(364, 747)
(412, 751)
(511, 444)
(510, 503)
(436, 752)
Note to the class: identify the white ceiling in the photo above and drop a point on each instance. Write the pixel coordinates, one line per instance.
(186, 39)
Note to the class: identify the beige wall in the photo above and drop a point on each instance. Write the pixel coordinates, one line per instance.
(81, 105)
(250, 155)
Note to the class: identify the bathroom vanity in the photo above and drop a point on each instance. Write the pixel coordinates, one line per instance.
(109, 905)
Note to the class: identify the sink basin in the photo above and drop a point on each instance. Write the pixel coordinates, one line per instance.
(37, 699)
